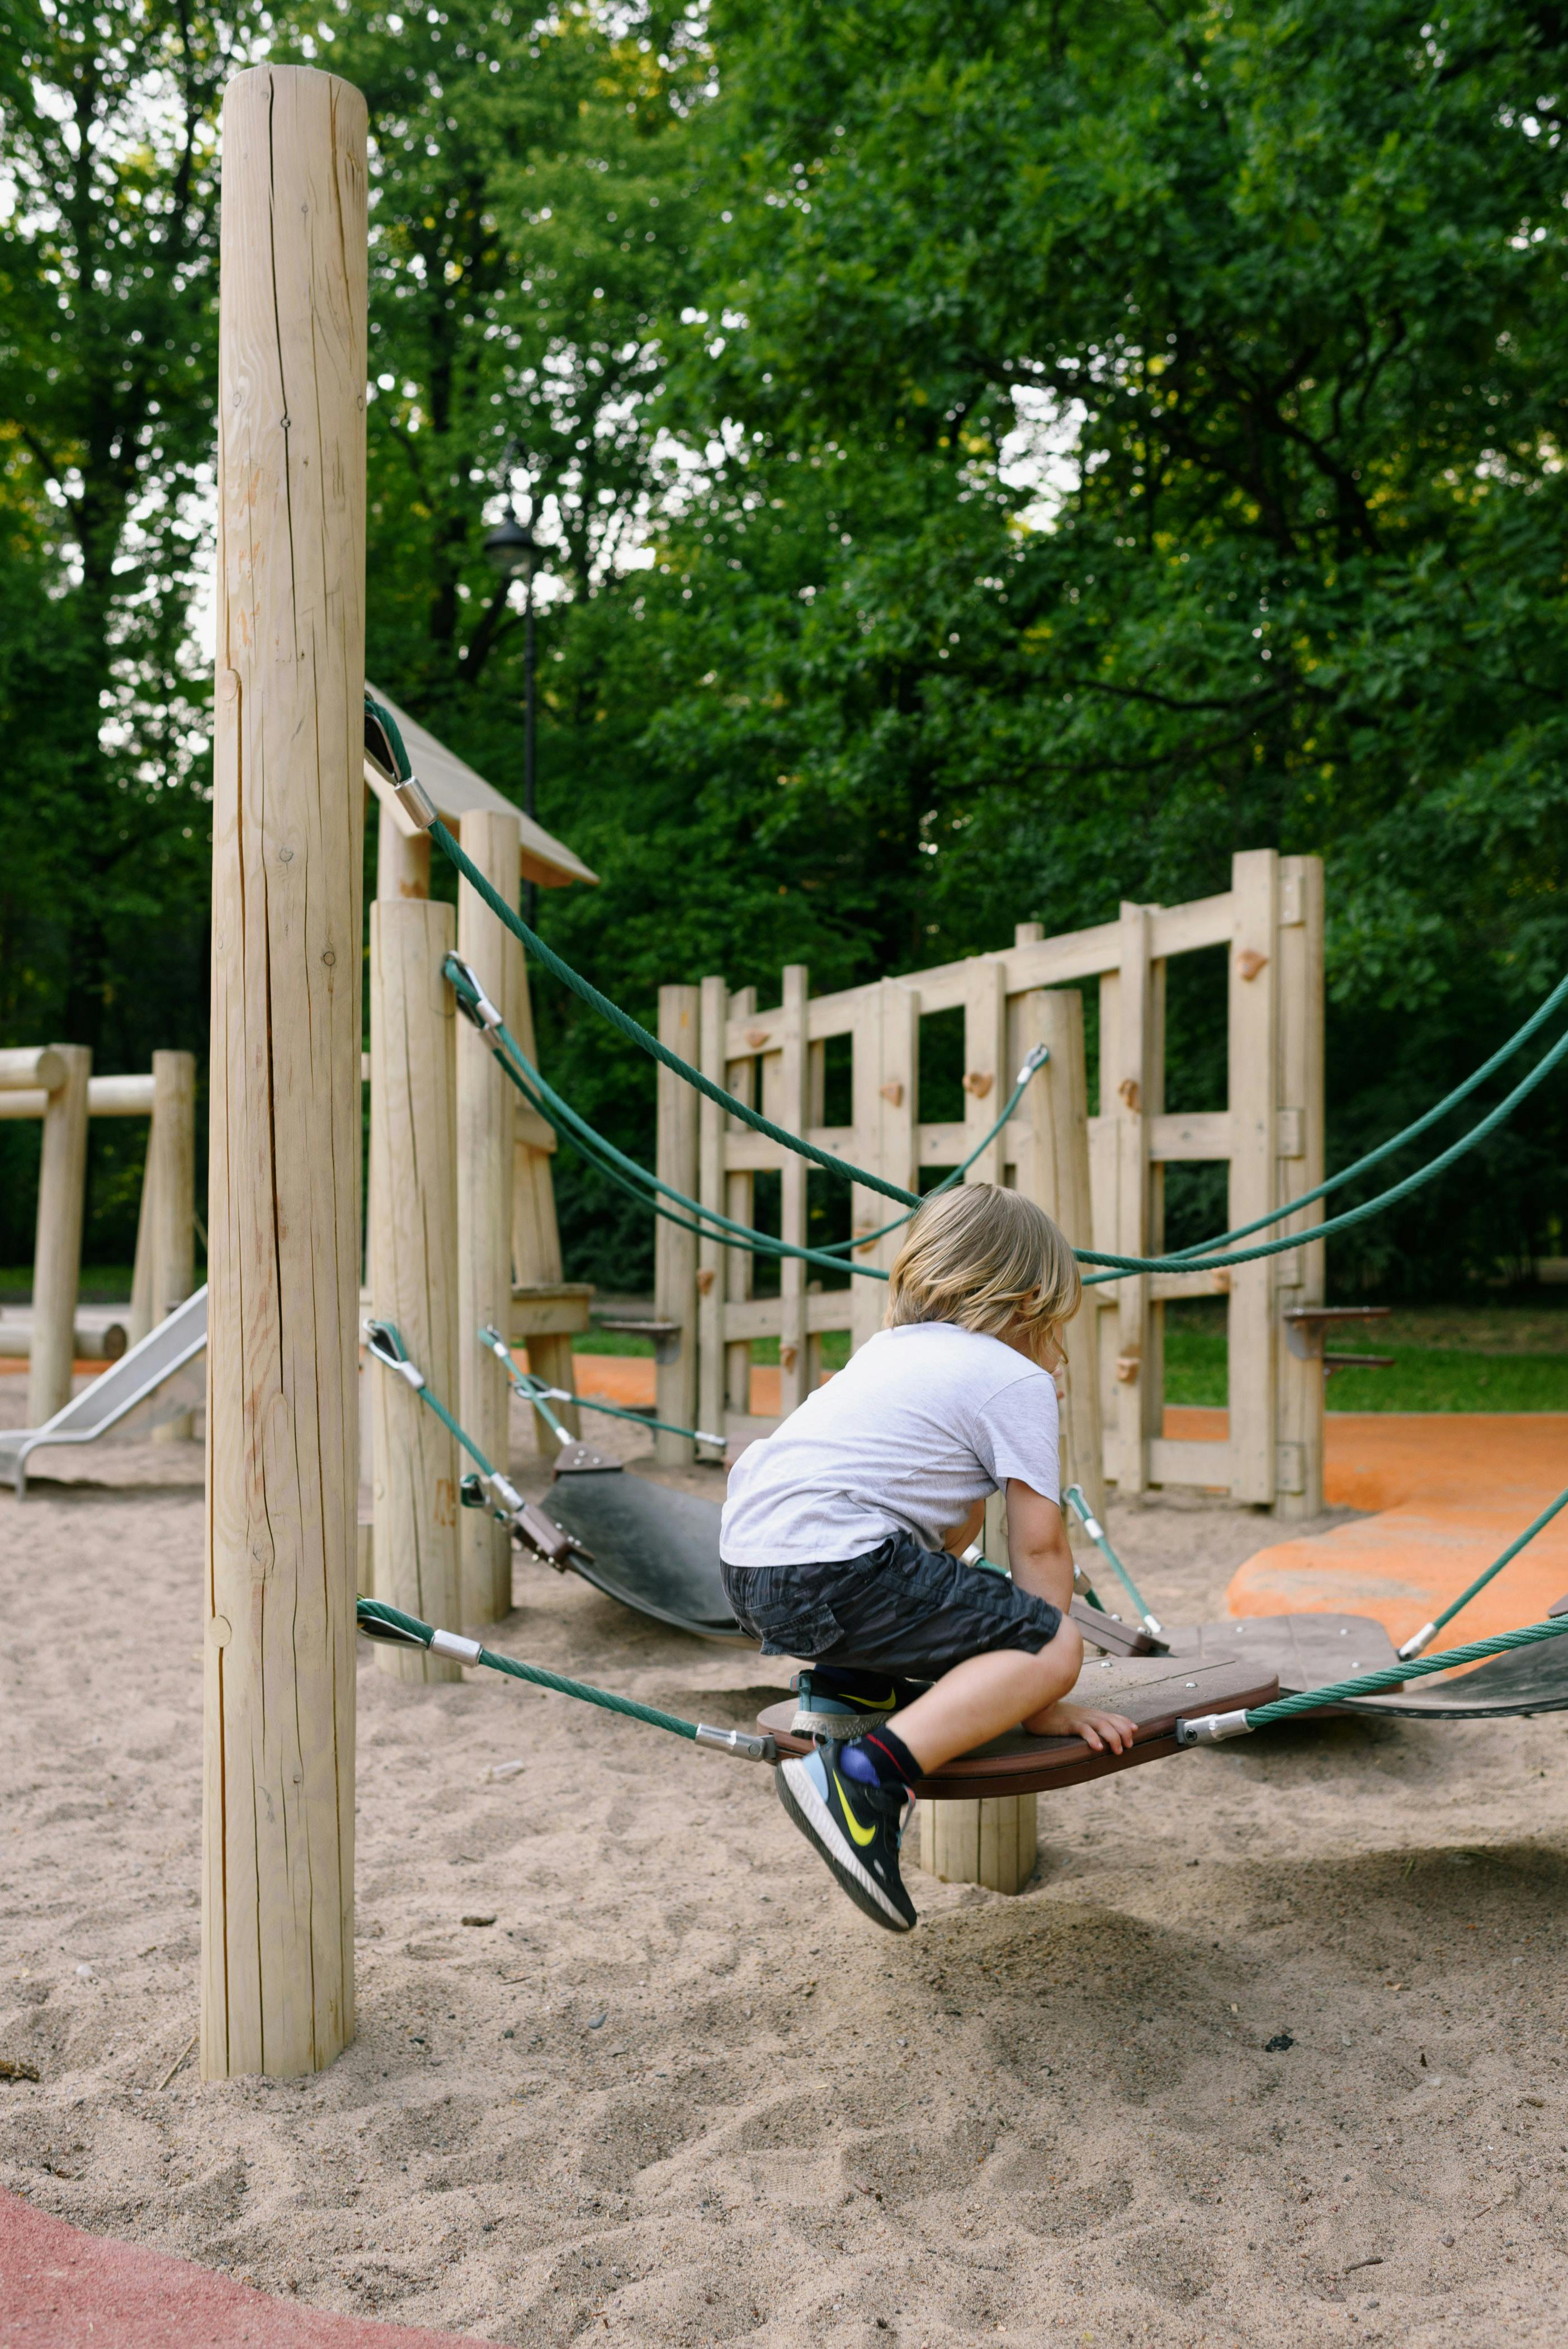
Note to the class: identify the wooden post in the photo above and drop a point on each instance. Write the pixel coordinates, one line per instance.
(675, 1250)
(414, 1267)
(277, 1960)
(735, 1278)
(1137, 1402)
(493, 840)
(1299, 1167)
(711, 1253)
(988, 1078)
(993, 1841)
(402, 863)
(536, 1259)
(1052, 1162)
(169, 1188)
(58, 1252)
(793, 1113)
(1253, 1100)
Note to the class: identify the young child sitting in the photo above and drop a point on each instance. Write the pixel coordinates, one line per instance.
(842, 1532)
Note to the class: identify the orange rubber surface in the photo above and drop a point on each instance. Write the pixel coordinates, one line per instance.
(1450, 1490)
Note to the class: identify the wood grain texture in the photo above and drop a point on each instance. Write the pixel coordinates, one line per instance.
(739, 1189)
(1254, 1048)
(283, 1194)
(710, 1255)
(793, 1068)
(993, 1841)
(412, 1269)
(1136, 1396)
(536, 1259)
(1052, 1163)
(402, 859)
(170, 1188)
(57, 1250)
(1299, 1385)
(675, 1250)
(485, 1178)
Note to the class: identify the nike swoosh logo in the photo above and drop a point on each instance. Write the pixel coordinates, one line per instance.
(862, 1834)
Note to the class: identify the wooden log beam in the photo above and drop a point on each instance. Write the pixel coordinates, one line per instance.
(169, 1185)
(31, 1068)
(414, 1267)
(675, 1250)
(277, 1958)
(485, 1140)
(57, 1249)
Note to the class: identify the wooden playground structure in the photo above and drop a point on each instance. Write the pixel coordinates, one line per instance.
(54, 1085)
(1101, 1176)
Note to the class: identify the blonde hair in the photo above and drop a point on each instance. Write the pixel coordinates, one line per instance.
(986, 1258)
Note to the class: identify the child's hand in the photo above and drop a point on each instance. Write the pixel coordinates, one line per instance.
(1097, 1729)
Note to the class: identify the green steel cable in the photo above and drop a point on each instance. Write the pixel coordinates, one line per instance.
(1428, 1631)
(1211, 1729)
(535, 1391)
(373, 1610)
(1397, 1141)
(1201, 1257)
(602, 1154)
(1074, 1496)
(1423, 1174)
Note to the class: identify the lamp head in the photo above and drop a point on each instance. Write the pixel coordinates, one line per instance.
(511, 549)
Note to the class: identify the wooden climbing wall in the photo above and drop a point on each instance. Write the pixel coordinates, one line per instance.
(1101, 1175)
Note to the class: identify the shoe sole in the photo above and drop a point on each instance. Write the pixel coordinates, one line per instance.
(805, 1806)
(841, 1726)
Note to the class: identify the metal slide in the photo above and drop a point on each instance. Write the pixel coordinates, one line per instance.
(159, 1380)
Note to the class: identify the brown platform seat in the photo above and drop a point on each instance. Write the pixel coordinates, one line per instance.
(1152, 1691)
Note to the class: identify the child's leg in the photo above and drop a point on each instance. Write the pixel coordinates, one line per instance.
(987, 1695)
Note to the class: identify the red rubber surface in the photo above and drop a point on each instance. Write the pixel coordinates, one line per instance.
(60, 2288)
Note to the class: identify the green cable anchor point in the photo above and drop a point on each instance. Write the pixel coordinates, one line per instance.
(1214, 1728)
(1075, 1497)
(379, 1621)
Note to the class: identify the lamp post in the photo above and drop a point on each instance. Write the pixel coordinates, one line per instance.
(511, 549)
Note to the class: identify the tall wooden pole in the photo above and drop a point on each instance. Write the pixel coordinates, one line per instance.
(485, 1137)
(277, 1979)
(675, 1250)
(170, 1188)
(414, 1266)
(58, 1256)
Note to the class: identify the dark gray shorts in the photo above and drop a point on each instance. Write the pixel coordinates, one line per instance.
(897, 1608)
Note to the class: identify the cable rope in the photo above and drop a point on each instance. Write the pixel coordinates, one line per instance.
(1428, 1631)
(1201, 1257)
(535, 1391)
(1075, 1500)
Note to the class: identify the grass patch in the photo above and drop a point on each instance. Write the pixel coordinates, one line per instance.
(1446, 1358)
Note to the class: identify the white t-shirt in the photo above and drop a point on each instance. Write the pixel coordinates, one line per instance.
(922, 1423)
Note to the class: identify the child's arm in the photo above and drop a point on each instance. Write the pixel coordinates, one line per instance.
(1038, 1547)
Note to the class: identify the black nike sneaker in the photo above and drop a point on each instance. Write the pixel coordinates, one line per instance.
(857, 1829)
(843, 1701)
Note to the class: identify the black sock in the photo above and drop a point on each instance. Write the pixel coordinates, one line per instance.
(881, 1758)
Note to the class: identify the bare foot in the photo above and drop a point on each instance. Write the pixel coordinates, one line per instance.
(1097, 1729)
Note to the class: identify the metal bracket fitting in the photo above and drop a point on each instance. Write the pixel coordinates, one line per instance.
(1417, 1641)
(1211, 1728)
(453, 1644)
(481, 1013)
(1036, 1057)
(532, 1529)
(414, 801)
(746, 1744)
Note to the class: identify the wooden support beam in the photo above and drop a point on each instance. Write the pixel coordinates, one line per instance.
(31, 1068)
(794, 1104)
(711, 1253)
(171, 1182)
(536, 1257)
(994, 1842)
(1051, 1155)
(987, 1073)
(1131, 1071)
(402, 860)
(735, 1278)
(57, 1249)
(1254, 1101)
(1299, 1396)
(414, 1268)
(277, 1962)
(675, 1250)
(485, 1141)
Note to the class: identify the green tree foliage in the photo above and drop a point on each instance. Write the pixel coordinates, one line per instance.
(108, 254)
(996, 461)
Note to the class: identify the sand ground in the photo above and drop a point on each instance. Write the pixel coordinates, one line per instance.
(680, 2092)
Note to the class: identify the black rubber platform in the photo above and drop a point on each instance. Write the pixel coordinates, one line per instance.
(655, 1550)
